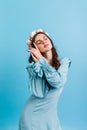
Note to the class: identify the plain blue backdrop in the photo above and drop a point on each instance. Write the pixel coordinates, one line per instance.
(66, 23)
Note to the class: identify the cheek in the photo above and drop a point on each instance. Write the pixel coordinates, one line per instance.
(49, 42)
(41, 48)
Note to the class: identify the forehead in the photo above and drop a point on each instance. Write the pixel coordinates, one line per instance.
(39, 36)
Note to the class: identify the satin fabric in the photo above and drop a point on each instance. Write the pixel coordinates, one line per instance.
(45, 84)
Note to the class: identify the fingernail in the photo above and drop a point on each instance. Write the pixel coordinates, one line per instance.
(27, 50)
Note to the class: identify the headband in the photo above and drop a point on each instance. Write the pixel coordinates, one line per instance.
(32, 34)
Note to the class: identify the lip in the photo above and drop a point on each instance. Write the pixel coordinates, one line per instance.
(46, 45)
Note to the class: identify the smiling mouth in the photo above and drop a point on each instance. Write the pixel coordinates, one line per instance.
(46, 45)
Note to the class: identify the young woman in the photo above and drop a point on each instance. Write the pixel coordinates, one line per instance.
(47, 76)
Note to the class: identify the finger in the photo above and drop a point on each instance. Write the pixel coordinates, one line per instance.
(29, 50)
(33, 50)
(34, 58)
(35, 46)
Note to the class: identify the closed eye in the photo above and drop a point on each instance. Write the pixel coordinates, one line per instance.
(38, 42)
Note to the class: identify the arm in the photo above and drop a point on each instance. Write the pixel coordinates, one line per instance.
(55, 77)
(37, 83)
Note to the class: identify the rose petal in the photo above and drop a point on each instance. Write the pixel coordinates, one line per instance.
(46, 33)
(39, 30)
(33, 33)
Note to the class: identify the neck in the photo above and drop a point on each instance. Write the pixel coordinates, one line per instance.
(48, 56)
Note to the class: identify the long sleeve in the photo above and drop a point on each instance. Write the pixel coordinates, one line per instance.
(42, 76)
(55, 78)
(37, 83)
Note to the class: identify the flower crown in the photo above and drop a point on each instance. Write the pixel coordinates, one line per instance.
(32, 34)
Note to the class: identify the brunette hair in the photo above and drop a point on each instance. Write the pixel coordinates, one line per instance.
(55, 59)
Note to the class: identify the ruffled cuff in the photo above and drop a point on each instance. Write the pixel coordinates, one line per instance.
(65, 64)
(66, 61)
(37, 69)
(34, 69)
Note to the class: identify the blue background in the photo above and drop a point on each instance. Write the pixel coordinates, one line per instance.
(66, 22)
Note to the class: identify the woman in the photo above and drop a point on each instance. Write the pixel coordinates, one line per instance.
(47, 76)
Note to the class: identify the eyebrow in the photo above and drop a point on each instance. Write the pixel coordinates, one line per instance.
(40, 40)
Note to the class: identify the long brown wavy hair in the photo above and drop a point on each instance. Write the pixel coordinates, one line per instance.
(55, 58)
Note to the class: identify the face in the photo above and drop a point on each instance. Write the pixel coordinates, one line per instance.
(43, 43)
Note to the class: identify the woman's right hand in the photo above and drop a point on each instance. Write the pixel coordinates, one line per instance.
(36, 54)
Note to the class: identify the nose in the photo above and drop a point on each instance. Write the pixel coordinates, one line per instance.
(44, 41)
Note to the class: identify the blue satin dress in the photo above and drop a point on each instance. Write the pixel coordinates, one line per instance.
(45, 85)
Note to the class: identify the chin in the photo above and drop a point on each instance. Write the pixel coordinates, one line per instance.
(47, 50)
